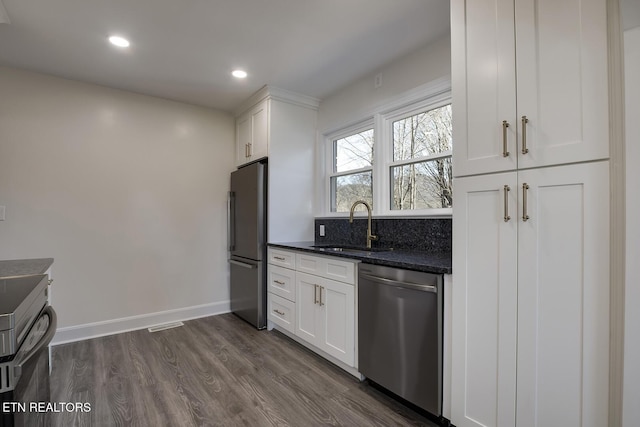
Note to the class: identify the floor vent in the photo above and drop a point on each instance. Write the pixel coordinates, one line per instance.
(165, 326)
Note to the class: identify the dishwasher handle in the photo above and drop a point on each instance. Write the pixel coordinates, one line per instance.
(396, 283)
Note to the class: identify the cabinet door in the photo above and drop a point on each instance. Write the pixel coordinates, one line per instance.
(260, 131)
(252, 134)
(281, 312)
(308, 322)
(282, 282)
(243, 139)
(338, 318)
(562, 79)
(484, 298)
(483, 86)
(563, 297)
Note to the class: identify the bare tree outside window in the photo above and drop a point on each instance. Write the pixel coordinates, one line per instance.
(424, 142)
(353, 164)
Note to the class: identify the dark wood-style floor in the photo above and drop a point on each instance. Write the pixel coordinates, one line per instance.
(215, 371)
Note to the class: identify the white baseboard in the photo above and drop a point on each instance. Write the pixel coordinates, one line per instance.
(143, 321)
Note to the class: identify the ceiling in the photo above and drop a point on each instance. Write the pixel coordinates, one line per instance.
(185, 50)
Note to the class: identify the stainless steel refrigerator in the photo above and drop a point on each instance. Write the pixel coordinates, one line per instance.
(247, 243)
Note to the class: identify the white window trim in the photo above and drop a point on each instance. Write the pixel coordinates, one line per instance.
(428, 96)
(385, 157)
(329, 159)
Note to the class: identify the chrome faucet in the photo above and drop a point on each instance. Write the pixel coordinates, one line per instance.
(370, 236)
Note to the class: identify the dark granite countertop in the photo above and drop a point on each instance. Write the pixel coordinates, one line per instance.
(429, 262)
(24, 267)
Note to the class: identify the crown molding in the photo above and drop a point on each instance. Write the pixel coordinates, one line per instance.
(278, 94)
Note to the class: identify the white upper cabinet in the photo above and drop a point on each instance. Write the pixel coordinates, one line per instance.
(281, 125)
(530, 83)
(483, 86)
(252, 134)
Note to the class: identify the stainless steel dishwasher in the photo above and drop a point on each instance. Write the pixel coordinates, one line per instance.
(400, 333)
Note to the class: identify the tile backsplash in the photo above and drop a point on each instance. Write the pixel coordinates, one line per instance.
(423, 234)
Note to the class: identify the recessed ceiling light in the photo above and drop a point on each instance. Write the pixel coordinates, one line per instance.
(119, 41)
(239, 74)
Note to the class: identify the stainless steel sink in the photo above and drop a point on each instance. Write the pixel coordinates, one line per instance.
(353, 249)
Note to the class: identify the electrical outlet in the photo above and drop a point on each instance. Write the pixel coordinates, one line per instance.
(1, 213)
(321, 230)
(377, 81)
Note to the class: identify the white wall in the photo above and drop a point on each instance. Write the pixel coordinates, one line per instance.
(423, 66)
(631, 409)
(361, 99)
(126, 192)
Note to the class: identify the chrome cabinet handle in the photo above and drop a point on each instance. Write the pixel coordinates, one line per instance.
(278, 282)
(250, 149)
(525, 150)
(506, 190)
(278, 312)
(525, 187)
(315, 294)
(279, 258)
(505, 125)
(321, 303)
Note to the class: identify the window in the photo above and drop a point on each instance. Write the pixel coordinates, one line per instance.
(410, 170)
(420, 174)
(352, 175)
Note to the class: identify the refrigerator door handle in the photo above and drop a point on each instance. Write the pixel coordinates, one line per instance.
(231, 222)
(242, 264)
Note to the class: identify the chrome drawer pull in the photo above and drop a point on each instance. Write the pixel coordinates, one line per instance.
(279, 282)
(278, 312)
(279, 258)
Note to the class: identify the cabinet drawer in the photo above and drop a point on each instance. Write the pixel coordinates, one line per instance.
(282, 282)
(282, 312)
(282, 258)
(329, 267)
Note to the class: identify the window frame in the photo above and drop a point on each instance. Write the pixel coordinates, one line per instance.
(387, 127)
(331, 157)
(431, 95)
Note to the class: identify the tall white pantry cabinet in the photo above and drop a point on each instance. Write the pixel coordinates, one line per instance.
(530, 315)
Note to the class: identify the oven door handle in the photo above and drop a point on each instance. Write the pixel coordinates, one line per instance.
(44, 341)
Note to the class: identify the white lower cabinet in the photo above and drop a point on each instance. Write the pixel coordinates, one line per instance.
(313, 297)
(530, 298)
(282, 311)
(325, 315)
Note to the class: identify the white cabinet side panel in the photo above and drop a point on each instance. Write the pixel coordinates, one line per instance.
(631, 409)
(291, 172)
